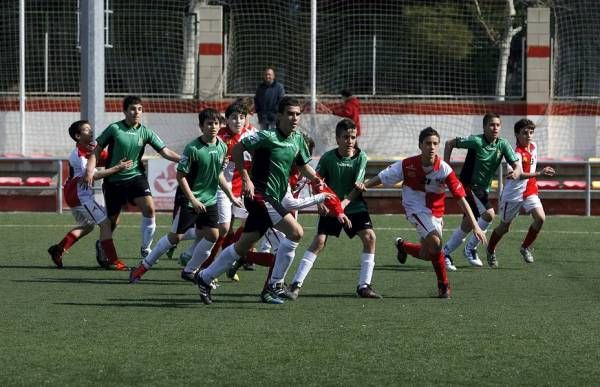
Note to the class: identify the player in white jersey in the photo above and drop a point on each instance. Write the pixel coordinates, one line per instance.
(86, 211)
(425, 178)
(521, 194)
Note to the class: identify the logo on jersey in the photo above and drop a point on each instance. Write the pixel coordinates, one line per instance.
(252, 139)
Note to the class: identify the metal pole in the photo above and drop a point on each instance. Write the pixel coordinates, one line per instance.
(313, 56)
(374, 62)
(588, 194)
(59, 188)
(22, 72)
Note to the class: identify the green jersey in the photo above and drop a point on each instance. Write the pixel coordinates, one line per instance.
(273, 156)
(342, 173)
(483, 159)
(127, 142)
(202, 164)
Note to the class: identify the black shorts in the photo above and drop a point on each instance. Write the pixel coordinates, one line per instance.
(263, 212)
(329, 225)
(187, 218)
(478, 200)
(119, 193)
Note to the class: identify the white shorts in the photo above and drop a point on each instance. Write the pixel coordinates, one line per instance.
(510, 210)
(89, 213)
(225, 208)
(426, 223)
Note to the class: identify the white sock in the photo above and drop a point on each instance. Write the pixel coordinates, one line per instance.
(201, 252)
(162, 246)
(306, 263)
(190, 251)
(220, 265)
(283, 260)
(148, 227)
(367, 263)
(458, 237)
(473, 241)
(189, 234)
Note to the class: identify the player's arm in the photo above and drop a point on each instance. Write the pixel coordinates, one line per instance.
(224, 184)
(448, 147)
(464, 206)
(170, 154)
(516, 172)
(187, 191)
(546, 171)
(237, 155)
(123, 164)
(90, 169)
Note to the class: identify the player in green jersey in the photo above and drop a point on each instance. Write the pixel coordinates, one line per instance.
(199, 173)
(127, 139)
(342, 168)
(484, 156)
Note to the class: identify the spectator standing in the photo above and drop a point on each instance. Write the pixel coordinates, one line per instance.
(266, 100)
(350, 109)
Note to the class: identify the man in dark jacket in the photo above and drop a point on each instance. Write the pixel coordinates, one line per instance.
(267, 97)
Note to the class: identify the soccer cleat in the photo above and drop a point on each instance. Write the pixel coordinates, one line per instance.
(232, 272)
(204, 289)
(443, 290)
(214, 283)
(472, 257)
(136, 273)
(401, 253)
(491, 260)
(449, 262)
(281, 291)
(294, 290)
(119, 265)
(101, 258)
(268, 297)
(367, 292)
(56, 252)
(526, 254)
(144, 252)
(248, 266)
(184, 258)
(170, 252)
(189, 275)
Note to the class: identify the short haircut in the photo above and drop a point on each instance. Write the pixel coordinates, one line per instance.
(131, 100)
(75, 128)
(343, 126)
(428, 132)
(310, 143)
(286, 102)
(488, 118)
(208, 114)
(346, 93)
(236, 108)
(523, 123)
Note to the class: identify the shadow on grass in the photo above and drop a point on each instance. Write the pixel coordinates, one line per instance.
(107, 281)
(52, 267)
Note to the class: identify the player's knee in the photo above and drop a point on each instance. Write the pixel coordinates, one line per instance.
(296, 234)
(369, 239)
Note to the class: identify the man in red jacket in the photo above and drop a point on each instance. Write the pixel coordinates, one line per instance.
(350, 109)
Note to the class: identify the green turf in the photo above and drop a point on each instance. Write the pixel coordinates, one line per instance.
(521, 324)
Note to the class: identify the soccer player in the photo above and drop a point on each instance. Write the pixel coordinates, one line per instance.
(485, 153)
(274, 152)
(127, 139)
(199, 173)
(425, 178)
(86, 211)
(521, 193)
(342, 168)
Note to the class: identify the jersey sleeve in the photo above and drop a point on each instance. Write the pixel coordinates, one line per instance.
(454, 185)
(253, 141)
(303, 156)
(468, 142)
(519, 161)
(392, 174)
(361, 168)
(155, 142)
(186, 160)
(104, 137)
(509, 153)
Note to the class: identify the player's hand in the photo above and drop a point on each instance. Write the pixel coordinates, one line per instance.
(124, 164)
(237, 202)
(343, 219)
(480, 235)
(198, 206)
(318, 184)
(322, 209)
(344, 203)
(248, 188)
(548, 171)
(511, 175)
(360, 187)
(87, 180)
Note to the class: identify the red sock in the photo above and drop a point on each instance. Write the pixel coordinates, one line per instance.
(228, 239)
(439, 265)
(494, 239)
(530, 237)
(262, 259)
(412, 248)
(68, 241)
(213, 253)
(109, 249)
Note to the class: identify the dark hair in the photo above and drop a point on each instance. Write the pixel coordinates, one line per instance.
(131, 100)
(346, 93)
(286, 102)
(343, 126)
(208, 114)
(248, 103)
(236, 108)
(488, 118)
(75, 128)
(523, 123)
(428, 132)
(310, 143)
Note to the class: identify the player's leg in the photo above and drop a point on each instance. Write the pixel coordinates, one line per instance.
(287, 249)
(84, 226)
(308, 259)
(432, 248)
(533, 205)
(508, 211)
(362, 226)
(484, 212)
(208, 232)
(148, 223)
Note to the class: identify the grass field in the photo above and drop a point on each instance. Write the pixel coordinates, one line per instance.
(521, 324)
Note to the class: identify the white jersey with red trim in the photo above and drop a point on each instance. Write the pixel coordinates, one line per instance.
(423, 188)
(75, 194)
(517, 190)
(230, 173)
